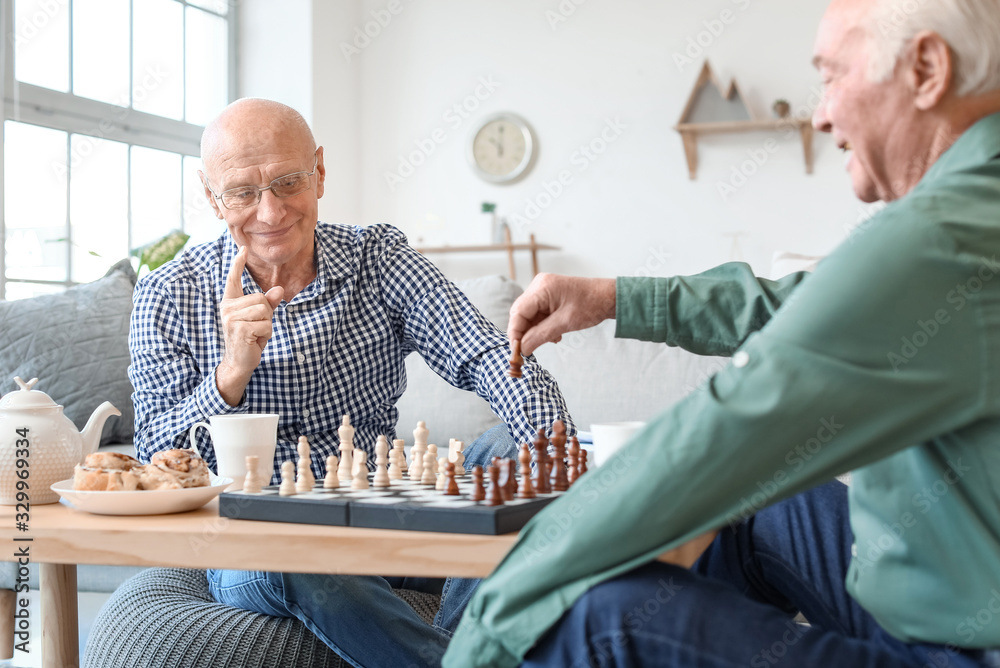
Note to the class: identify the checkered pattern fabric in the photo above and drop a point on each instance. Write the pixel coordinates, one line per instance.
(337, 349)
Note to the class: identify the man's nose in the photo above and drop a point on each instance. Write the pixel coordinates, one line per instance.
(819, 119)
(271, 208)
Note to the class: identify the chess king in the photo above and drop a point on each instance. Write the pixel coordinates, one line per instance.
(823, 380)
(284, 314)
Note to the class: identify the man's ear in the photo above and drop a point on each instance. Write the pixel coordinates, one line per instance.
(211, 198)
(320, 172)
(929, 69)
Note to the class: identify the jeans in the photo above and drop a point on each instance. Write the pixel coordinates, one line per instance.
(359, 617)
(735, 607)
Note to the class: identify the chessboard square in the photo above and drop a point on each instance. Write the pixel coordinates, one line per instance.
(387, 500)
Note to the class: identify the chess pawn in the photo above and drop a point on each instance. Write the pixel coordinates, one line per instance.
(515, 359)
(360, 480)
(417, 463)
(397, 460)
(508, 486)
(429, 475)
(442, 467)
(478, 491)
(381, 461)
(574, 461)
(525, 490)
(331, 481)
(451, 486)
(252, 483)
(287, 487)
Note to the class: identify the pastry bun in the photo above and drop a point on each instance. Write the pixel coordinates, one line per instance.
(107, 472)
(175, 469)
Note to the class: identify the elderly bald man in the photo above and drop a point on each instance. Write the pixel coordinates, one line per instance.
(885, 361)
(283, 314)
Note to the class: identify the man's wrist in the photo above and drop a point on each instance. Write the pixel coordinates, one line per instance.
(231, 385)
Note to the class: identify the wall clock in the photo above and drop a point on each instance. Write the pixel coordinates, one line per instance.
(501, 148)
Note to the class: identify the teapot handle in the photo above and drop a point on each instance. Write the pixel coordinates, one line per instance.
(194, 441)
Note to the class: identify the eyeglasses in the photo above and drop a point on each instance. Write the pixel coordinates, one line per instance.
(283, 186)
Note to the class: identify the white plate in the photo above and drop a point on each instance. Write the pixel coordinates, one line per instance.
(144, 502)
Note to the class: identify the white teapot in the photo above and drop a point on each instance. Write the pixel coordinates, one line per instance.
(39, 445)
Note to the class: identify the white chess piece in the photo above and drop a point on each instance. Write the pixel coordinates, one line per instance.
(402, 459)
(360, 470)
(397, 460)
(306, 480)
(428, 474)
(417, 461)
(252, 483)
(457, 457)
(287, 480)
(346, 433)
(381, 478)
(331, 481)
(442, 467)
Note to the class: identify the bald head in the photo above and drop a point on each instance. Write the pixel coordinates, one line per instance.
(254, 126)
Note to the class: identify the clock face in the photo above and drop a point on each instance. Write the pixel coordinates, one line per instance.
(501, 149)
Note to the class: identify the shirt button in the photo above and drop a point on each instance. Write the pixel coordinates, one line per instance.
(854, 550)
(305, 412)
(741, 359)
(301, 358)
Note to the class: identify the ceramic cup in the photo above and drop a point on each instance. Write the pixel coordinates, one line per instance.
(236, 436)
(610, 437)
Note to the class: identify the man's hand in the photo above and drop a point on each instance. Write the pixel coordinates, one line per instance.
(246, 328)
(554, 305)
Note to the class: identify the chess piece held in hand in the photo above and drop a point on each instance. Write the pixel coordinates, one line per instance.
(516, 361)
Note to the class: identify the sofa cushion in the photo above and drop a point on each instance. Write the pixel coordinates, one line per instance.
(76, 343)
(448, 411)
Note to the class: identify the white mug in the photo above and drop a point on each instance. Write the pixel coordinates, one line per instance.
(610, 437)
(234, 437)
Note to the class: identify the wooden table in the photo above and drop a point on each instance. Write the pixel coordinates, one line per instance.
(64, 537)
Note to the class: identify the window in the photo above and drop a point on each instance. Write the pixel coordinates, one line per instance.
(104, 104)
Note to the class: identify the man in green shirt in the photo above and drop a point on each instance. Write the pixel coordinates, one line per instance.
(885, 362)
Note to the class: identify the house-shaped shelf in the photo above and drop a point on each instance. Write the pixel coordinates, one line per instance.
(712, 108)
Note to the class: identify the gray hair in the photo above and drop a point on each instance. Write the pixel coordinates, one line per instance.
(970, 27)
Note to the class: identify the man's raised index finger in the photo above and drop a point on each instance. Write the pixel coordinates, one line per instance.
(234, 282)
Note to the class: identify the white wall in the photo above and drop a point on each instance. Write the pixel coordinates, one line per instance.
(631, 209)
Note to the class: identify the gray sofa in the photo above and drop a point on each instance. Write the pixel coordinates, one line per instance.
(603, 379)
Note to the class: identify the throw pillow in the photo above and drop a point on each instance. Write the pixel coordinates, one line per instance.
(76, 343)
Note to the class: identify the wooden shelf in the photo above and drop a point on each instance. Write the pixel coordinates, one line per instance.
(509, 247)
(690, 131)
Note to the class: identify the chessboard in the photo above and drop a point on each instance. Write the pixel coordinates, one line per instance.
(405, 504)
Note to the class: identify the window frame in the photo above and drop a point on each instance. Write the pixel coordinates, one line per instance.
(44, 107)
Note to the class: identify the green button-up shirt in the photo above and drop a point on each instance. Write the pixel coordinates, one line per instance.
(886, 362)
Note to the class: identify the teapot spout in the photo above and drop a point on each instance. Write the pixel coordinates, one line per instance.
(95, 425)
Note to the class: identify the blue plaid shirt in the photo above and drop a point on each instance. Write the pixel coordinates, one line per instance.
(337, 349)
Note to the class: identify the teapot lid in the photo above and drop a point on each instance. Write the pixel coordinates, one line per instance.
(26, 398)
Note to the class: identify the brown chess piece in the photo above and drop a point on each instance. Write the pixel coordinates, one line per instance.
(583, 463)
(478, 491)
(557, 478)
(494, 497)
(541, 478)
(574, 461)
(450, 485)
(515, 359)
(526, 490)
(508, 483)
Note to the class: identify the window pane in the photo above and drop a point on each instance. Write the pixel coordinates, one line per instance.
(156, 194)
(217, 6)
(98, 192)
(34, 201)
(41, 43)
(207, 66)
(101, 50)
(199, 216)
(27, 290)
(158, 65)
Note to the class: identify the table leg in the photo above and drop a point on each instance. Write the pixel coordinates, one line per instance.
(60, 631)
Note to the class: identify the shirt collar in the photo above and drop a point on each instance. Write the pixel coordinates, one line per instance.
(977, 145)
